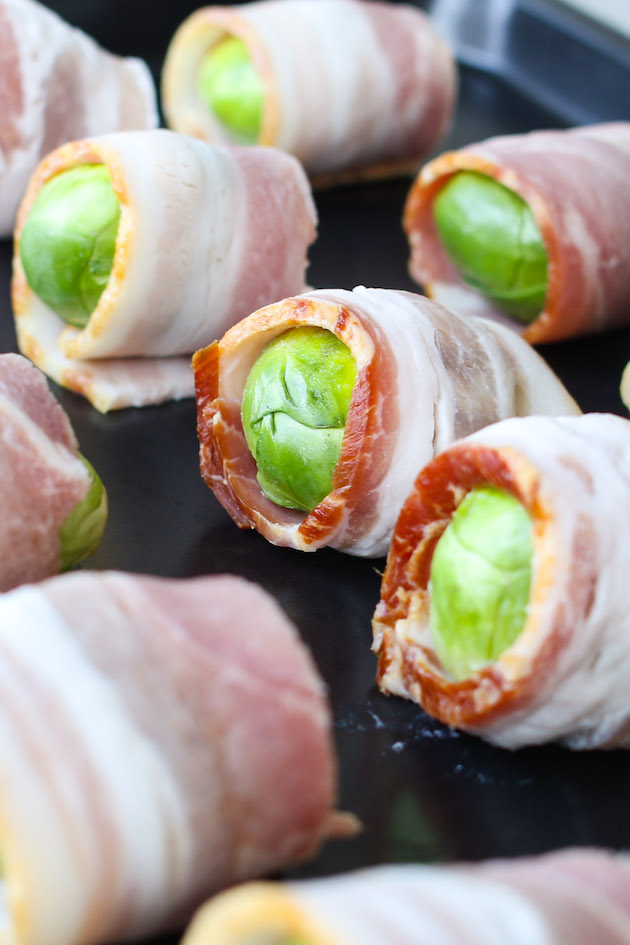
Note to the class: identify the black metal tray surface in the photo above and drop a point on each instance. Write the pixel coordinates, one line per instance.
(423, 792)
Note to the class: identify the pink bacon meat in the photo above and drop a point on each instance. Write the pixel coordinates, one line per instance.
(576, 184)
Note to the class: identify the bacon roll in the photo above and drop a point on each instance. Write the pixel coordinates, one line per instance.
(353, 89)
(562, 677)
(154, 750)
(57, 84)
(53, 505)
(205, 235)
(577, 895)
(574, 182)
(425, 377)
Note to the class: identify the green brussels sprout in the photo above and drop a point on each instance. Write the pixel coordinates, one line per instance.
(480, 580)
(490, 235)
(231, 87)
(294, 410)
(68, 242)
(81, 533)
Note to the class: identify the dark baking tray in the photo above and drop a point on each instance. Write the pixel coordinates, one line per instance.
(422, 791)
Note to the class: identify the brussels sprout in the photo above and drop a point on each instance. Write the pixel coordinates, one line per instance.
(81, 533)
(68, 241)
(490, 234)
(480, 580)
(232, 88)
(294, 412)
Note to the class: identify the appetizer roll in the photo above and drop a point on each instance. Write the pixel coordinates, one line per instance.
(316, 413)
(134, 249)
(532, 228)
(576, 895)
(504, 604)
(56, 84)
(351, 88)
(159, 739)
(53, 507)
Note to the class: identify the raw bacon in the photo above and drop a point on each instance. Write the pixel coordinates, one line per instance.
(160, 739)
(565, 676)
(576, 184)
(353, 89)
(57, 84)
(206, 235)
(425, 377)
(577, 895)
(42, 477)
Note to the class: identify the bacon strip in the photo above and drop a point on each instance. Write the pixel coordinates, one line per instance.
(576, 895)
(565, 677)
(425, 377)
(206, 235)
(42, 477)
(352, 89)
(57, 84)
(160, 739)
(576, 184)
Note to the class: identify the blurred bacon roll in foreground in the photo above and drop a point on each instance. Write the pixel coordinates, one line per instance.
(160, 740)
(533, 227)
(353, 89)
(316, 413)
(504, 604)
(575, 895)
(57, 84)
(53, 504)
(134, 249)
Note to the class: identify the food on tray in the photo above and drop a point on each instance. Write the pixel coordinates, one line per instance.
(134, 249)
(58, 84)
(532, 228)
(353, 89)
(566, 896)
(504, 604)
(337, 455)
(54, 506)
(161, 739)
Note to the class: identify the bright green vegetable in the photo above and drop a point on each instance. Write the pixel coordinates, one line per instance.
(294, 412)
(232, 88)
(81, 533)
(68, 241)
(480, 580)
(491, 236)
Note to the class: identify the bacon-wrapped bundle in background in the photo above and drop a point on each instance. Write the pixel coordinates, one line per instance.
(160, 739)
(57, 84)
(575, 895)
(576, 184)
(42, 478)
(425, 377)
(206, 234)
(353, 89)
(565, 676)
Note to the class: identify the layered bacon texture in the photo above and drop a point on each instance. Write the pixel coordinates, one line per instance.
(425, 377)
(57, 84)
(576, 895)
(205, 236)
(564, 677)
(42, 477)
(576, 184)
(160, 739)
(353, 89)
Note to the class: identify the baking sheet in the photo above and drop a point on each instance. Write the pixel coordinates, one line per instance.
(422, 791)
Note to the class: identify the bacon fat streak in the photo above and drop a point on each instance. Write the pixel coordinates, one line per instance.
(576, 183)
(565, 676)
(206, 235)
(57, 84)
(425, 378)
(160, 739)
